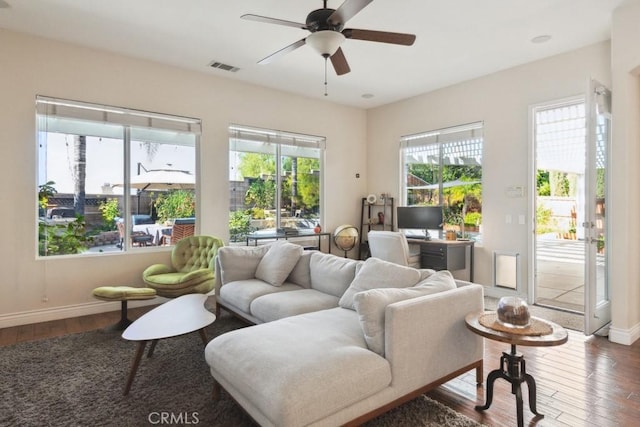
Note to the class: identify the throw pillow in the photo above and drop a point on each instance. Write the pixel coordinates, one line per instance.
(376, 273)
(331, 274)
(277, 263)
(240, 262)
(438, 281)
(301, 273)
(425, 272)
(370, 305)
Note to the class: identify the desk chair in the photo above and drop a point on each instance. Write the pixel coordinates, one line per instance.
(392, 246)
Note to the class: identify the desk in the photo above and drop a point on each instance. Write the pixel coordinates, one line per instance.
(445, 254)
(512, 366)
(271, 235)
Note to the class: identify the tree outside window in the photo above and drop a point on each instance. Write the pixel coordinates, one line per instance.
(275, 181)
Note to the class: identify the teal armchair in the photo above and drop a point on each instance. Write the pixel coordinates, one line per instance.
(191, 271)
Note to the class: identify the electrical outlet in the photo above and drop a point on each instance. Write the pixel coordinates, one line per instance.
(45, 299)
(508, 219)
(521, 219)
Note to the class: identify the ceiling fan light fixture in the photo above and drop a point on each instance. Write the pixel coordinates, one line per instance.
(325, 42)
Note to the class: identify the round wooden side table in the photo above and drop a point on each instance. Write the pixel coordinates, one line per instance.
(512, 364)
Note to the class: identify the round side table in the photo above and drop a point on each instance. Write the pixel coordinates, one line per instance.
(512, 364)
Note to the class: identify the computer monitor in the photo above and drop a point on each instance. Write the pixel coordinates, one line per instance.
(420, 217)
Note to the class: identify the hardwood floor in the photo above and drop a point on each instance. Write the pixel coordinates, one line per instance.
(588, 381)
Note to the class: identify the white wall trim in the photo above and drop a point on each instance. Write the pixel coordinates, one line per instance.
(624, 336)
(75, 310)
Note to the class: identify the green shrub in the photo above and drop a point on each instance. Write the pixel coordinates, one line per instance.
(175, 204)
(544, 220)
(239, 225)
(473, 219)
(110, 211)
(63, 239)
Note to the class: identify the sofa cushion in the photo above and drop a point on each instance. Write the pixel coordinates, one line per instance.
(371, 305)
(277, 305)
(301, 273)
(277, 263)
(239, 262)
(319, 365)
(332, 274)
(240, 294)
(376, 273)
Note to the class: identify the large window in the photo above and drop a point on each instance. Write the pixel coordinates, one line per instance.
(444, 167)
(111, 179)
(275, 181)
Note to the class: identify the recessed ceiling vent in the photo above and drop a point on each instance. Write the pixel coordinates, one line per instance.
(224, 67)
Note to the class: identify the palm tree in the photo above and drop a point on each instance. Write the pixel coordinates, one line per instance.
(79, 172)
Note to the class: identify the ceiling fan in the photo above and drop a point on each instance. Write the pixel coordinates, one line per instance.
(328, 32)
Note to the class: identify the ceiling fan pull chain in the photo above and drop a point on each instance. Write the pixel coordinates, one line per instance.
(325, 75)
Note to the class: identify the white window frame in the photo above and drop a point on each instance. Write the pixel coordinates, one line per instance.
(90, 119)
(280, 140)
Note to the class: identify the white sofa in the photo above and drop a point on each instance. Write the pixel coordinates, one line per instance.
(337, 341)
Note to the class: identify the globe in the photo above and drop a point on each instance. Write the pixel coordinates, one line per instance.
(345, 237)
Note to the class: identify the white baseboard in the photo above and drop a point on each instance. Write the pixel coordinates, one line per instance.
(76, 310)
(624, 336)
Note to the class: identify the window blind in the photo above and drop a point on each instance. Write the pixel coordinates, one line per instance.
(254, 140)
(80, 118)
(459, 145)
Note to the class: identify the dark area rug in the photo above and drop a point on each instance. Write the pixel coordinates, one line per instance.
(78, 380)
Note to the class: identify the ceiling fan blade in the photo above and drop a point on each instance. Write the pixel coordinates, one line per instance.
(347, 10)
(282, 52)
(340, 62)
(266, 19)
(380, 36)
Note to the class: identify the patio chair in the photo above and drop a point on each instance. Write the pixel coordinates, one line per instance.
(182, 227)
(191, 270)
(139, 238)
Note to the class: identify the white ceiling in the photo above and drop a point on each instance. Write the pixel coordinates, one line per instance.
(456, 40)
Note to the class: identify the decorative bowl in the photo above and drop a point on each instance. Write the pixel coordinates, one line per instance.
(513, 312)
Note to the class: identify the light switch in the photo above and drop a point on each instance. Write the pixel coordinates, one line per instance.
(508, 219)
(514, 191)
(521, 219)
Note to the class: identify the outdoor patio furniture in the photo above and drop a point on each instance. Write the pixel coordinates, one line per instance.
(182, 227)
(139, 238)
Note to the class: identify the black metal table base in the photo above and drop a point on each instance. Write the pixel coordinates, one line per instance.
(512, 369)
(124, 322)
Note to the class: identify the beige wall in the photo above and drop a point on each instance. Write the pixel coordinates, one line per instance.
(625, 193)
(357, 142)
(503, 101)
(30, 66)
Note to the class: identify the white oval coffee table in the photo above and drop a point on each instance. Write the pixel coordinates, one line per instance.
(176, 317)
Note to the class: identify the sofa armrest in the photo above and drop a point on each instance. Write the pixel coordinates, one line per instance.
(426, 338)
(461, 283)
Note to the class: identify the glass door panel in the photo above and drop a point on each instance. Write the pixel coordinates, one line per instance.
(597, 304)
